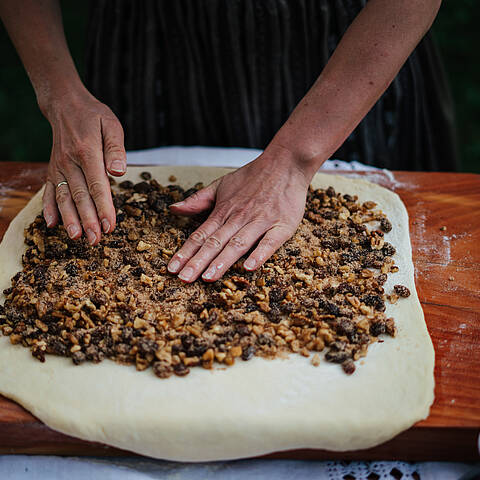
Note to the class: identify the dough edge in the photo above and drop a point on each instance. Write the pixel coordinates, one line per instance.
(253, 408)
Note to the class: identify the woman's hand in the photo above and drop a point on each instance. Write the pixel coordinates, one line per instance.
(87, 143)
(263, 201)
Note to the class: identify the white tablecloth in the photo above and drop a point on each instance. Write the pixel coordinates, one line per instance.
(20, 467)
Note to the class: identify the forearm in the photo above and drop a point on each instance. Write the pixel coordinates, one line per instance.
(364, 63)
(36, 30)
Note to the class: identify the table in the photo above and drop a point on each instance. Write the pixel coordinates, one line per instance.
(444, 211)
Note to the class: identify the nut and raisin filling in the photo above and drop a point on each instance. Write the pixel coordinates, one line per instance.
(322, 291)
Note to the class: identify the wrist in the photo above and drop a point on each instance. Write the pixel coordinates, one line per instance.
(301, 158)
(54, 93)
(281, 158)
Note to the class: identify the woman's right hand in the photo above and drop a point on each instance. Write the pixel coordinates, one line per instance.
(87, 143)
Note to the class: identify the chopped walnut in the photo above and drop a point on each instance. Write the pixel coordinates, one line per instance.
(321, 291)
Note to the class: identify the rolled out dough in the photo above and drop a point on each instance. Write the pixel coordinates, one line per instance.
(252, 408)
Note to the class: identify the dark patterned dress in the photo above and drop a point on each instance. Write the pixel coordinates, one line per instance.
(229, 72)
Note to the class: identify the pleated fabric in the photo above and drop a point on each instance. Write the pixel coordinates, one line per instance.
(229, 72)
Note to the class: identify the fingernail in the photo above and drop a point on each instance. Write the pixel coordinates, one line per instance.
(186, 274)
(117, 166)
(249, 263)
(91, 236)
(178, 204)
(173, 266)
(72, 230)
(105, 225)
(209, 273)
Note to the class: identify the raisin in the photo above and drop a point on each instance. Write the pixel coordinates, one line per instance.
(126, 184)
(146, 175)
(93, 266)
(374, 301)
(242, 330)
(142, 187)
(402, 291)
(181, 370)
(337, 356)
(38, 354)
(330, 192)
(330, 243)
(329, 307)
(72, 269)
(78, 357)
(277, 295)
(265, 339)
(137, 271)
(248, 352)
(345, 287)
(377, 328)
(382, 278)
(146, 345)
(288, 307)
(348, 366)
(388, 249)
(57, 346)
(346, 327)
(385, 225)
(40, 274)
(99, 299)
(196, 307)
(116, 243)
(349, 257)
(162, 369)
(130, 258)
(118, 200)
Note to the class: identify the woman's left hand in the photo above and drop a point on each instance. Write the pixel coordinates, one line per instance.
(262, 202)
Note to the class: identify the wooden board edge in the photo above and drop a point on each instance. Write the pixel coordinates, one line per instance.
(416, 444)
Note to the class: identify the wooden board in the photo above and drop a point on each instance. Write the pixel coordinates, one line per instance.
(447, 275)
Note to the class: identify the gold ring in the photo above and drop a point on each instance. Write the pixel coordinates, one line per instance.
(62, 183)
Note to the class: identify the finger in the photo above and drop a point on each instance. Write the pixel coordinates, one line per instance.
(237, 246)
(194, 242)
(268, 245)
(93, 169)
(211, 248)
(50, 210)
(67, 209)
(113, 146)
(198, 202)
(83, 203)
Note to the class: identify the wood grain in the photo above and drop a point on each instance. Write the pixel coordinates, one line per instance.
(447, 274)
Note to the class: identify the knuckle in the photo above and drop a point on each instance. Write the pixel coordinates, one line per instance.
(198, 237)
(237, 242)
(222, 209)
(213, 243)
(61, 195)
(82, 152)
(96, 189)
(64, 161)
(80, 195)
(269, 242)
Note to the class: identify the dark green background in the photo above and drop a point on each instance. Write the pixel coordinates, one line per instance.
(25, 134)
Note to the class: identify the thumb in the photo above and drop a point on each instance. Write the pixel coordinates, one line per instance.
(113, 147)
(199, 201)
